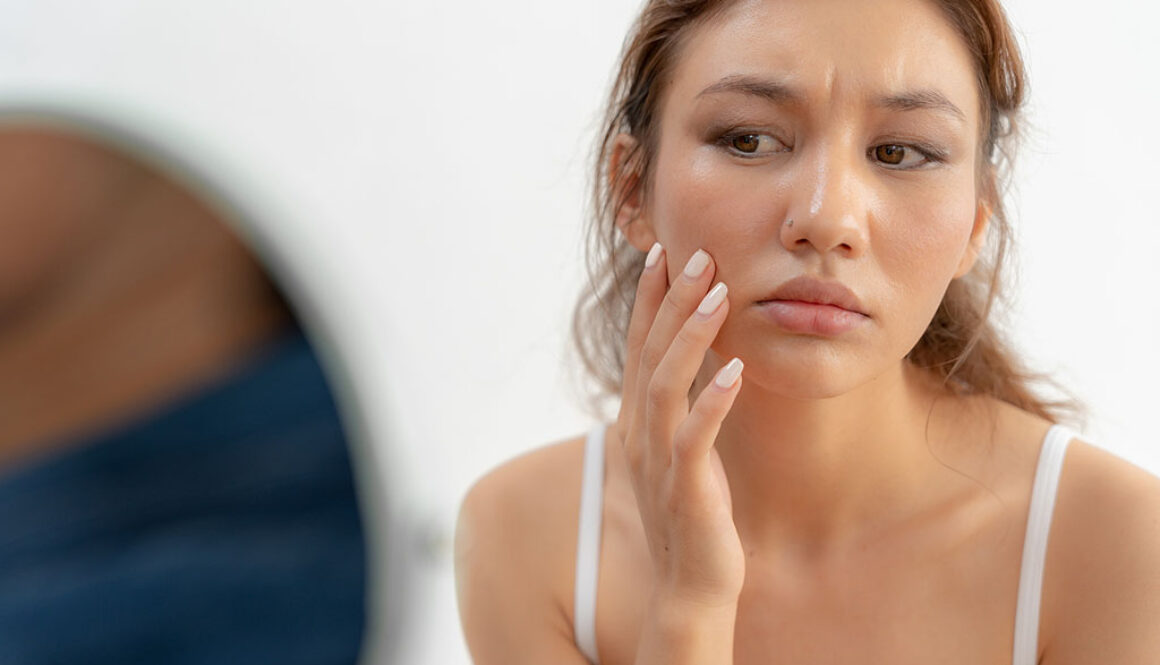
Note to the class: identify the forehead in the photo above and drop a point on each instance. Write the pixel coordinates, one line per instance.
(831, 51)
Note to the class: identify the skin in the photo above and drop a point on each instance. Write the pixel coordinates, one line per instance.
(835, 504)
(119, 292)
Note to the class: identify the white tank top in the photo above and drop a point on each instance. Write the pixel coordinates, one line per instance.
(1030, 575)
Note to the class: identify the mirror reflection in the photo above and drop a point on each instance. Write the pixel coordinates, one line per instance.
(175, 481)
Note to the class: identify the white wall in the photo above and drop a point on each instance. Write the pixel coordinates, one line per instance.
(424, 163)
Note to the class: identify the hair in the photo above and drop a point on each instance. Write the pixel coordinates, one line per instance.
(962, 345)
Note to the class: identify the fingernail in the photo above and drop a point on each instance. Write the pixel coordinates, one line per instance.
(728, 375)
(654, 255)
(712, 299)
(697, 264)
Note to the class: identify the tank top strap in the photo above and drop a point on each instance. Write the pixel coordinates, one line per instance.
(588, 544)
(1043, 494)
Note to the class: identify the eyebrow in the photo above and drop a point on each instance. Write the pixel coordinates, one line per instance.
(928, 99)
(782, 93)
(770, 89)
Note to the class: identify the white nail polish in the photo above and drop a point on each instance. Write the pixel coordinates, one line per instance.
(654, 255)
(712, 299)
(728, 375)
(697, 264)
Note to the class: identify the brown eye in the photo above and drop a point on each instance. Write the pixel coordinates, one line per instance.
(890, 154)
(747, 143)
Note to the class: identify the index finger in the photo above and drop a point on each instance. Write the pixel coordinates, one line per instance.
(650, 292)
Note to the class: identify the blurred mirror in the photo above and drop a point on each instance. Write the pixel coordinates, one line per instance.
(175, 480)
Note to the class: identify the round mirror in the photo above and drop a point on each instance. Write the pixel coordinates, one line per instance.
(176, 476)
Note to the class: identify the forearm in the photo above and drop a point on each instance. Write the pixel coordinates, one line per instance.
(676, 633)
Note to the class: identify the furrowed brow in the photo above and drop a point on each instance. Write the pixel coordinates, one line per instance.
(779, 92)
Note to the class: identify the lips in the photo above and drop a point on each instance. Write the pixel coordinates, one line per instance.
(808, 290)
(809, 306)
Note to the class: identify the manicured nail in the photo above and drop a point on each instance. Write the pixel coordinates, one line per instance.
(697, 264)
(728, 375)
(712, 299)
(654, 255)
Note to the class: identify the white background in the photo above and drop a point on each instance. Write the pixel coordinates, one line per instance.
(422, 168)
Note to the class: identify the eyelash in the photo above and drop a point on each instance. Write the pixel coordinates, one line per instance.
(726, 142)
(930, 154)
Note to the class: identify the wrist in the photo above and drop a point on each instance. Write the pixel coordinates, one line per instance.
(673, 607)
(680, 631)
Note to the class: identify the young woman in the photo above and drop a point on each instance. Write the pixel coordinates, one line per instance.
(811, 188)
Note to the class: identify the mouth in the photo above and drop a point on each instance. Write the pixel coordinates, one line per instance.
(817, 292)
(810, 306)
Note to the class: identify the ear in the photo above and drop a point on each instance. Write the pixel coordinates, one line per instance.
(624, 178)
(977, 240)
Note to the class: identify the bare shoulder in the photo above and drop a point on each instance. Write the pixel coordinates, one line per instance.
(515, 545)
(1101, 592)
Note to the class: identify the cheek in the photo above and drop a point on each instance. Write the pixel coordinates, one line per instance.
(696, 204)
(920, 242)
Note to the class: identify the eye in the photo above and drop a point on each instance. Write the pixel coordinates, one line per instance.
(901, 157)
(752, 144)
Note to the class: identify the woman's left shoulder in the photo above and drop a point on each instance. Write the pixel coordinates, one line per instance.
(1101, 593)
(1102, 495)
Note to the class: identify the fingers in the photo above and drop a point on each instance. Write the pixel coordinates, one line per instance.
(671, 380)
(670, 330)
(697, 433)
(665, 400)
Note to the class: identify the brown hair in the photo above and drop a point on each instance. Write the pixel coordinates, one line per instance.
(962, 345)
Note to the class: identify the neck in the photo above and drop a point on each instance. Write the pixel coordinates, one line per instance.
(810, 476)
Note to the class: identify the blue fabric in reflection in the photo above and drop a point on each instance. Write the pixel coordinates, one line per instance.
(223, 529)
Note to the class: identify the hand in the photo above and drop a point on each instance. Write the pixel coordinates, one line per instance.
(680, 485)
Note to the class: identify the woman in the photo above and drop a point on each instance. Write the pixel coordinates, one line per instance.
(811, 189)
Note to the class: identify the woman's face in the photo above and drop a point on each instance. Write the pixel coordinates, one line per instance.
(857, 120)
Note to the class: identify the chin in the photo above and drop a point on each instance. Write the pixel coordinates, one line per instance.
(807, 368)
(795, 381)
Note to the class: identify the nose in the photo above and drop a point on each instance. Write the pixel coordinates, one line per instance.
(830, 210)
